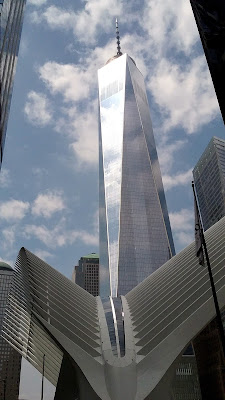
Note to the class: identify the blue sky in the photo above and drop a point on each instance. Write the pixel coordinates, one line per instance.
(49, 177)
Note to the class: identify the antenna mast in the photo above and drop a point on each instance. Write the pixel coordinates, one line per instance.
(119, 53)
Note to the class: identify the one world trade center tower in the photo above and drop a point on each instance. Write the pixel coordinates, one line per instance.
(135, 232)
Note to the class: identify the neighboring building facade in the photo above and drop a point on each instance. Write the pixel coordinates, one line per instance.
(186, 383)
(135, 233)
(210, 362)
(209, 178)
(10, 359)
(210, 19)
(11, 19)
(86, 274)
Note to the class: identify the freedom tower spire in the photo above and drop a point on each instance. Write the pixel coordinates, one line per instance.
(118, 39)
(135, 233)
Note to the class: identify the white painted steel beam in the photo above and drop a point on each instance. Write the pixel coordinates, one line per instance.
(48, 314)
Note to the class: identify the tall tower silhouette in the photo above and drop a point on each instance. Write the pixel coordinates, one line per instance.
(135, 233)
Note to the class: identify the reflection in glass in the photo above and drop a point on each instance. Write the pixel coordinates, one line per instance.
(11, 18)
(135, 225)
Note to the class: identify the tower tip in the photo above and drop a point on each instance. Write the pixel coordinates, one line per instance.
(119, 53)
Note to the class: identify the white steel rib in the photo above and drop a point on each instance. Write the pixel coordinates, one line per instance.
(48, 314)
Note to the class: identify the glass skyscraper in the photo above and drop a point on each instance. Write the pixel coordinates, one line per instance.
(11, 18)
(209, 178)
(135, 233)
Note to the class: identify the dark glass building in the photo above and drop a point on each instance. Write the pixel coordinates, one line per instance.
(11, 18)
(209, 178)
(210, 19)
(86, 274)
(185, 384)
(135, 233)
(10, 359)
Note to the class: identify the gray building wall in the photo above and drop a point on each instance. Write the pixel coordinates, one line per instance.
(86, 274)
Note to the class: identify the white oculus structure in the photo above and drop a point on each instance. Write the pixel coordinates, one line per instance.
(48, 314)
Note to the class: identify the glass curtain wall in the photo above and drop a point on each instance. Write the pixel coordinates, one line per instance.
(135, 231)
(11, 18)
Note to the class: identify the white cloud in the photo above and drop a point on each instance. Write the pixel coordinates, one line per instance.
(59, 236)
(86, 237)
(182, 178)
(166, 24)
(183, 219)
(167, 154)
(13, 210)
(92, 16)
(46, 204)
(9, 235)
(4, 178)
(85, 147)
(59, 18)
(85, 23)
(169, 24)
(182, 224)
(184, 238)
(77, 82)
(37, 2)
(82, 131)
(67, 79)
(38, 109)
(36, 17)
(39, 172)
(43, 254)
(184, 94)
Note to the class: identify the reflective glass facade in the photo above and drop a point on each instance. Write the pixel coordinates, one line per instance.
(209, 178)
(114, 315)
(11, 18)
(135, 233)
